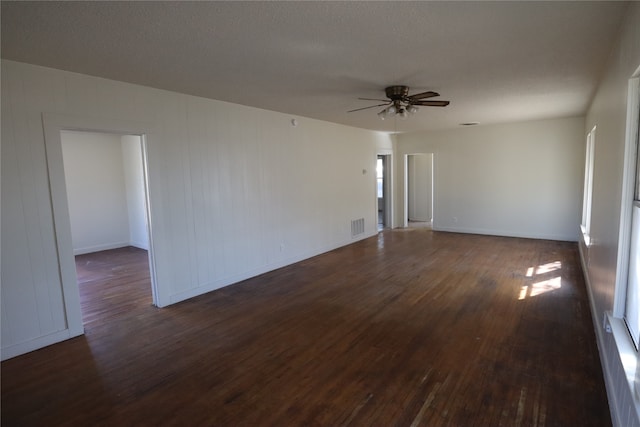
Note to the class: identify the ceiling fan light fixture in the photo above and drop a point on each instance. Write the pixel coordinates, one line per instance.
(400, 103)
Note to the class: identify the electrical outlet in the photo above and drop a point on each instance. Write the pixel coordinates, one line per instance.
(605, 323)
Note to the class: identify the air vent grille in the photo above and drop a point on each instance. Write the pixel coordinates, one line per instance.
(357, 227)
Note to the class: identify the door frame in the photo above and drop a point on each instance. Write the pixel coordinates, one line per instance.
(53, 124)
(387, 213)
(387, 182)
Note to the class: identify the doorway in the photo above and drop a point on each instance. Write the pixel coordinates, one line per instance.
(383, 191)
(418, 190)
(106, 188)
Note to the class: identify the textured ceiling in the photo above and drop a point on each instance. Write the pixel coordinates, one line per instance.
(495, 61)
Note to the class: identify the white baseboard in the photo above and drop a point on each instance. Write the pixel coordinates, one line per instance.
(505, 233)
(139, 245)
(98, 248)
(25, 347)
(229, 280)
(624, 408)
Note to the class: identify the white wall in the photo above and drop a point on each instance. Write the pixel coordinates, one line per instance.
(96, 191)
(234, 191)
(135, 191)
(608, 113)
(420, 186)
(518, 179)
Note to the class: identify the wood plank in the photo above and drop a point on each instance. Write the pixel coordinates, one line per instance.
(412, 327)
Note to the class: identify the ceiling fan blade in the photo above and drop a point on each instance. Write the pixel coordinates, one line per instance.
(423, 95)
(365, 108)
(374, 99)
(431, 103)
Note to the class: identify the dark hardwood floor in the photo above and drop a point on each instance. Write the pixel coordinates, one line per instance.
(408, 328)
(113, 284)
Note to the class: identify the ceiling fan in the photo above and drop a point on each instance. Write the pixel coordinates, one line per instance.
(401, 103)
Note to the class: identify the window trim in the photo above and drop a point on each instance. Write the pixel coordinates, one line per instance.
(587, 200)
(628, 193)
(626, 347)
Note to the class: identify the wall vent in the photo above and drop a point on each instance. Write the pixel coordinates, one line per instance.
(357, 227)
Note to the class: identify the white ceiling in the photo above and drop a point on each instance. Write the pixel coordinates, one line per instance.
(495, 61)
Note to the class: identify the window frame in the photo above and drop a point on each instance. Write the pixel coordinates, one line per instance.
(627, 347)
(587, 199)
(631, 175)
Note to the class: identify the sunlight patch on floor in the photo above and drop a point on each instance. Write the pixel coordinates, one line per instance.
(542, 286)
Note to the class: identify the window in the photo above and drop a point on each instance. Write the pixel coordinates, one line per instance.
(632, 304)
(627, 303)
(379, 177)
(588, 186)
(624, 322)
(631, 309)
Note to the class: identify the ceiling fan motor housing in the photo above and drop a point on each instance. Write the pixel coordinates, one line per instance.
(397, 93)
